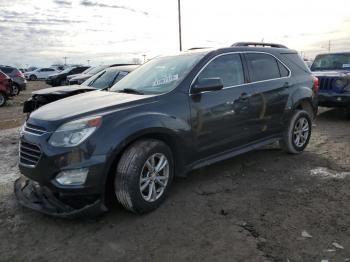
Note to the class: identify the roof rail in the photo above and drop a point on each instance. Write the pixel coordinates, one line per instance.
(258, 44)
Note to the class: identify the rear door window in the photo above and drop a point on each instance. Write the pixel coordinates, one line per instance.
(262, 67)
(228, 67)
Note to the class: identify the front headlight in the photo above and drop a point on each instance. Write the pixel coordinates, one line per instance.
(75, 132)
(340, 83)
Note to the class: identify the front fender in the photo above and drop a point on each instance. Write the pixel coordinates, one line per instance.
(145, 124)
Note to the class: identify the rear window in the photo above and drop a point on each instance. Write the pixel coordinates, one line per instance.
(262, 67)
(6, 70)
(295, 59)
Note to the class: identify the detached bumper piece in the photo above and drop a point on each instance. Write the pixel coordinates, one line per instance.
(33, 196)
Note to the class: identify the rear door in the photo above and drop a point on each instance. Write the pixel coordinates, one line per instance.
(222, 119)
(270, 79)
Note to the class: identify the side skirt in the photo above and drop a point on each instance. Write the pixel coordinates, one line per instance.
(231, 153)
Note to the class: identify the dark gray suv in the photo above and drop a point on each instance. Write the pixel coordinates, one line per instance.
(169, 116)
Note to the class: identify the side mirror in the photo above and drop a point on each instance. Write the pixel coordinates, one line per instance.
(207, 84)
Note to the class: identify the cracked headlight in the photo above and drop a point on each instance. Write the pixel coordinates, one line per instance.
(75, 132)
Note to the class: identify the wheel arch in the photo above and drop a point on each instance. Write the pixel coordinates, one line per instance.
(303, 98)
(175, 145)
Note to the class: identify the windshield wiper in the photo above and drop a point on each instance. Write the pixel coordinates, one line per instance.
(130, 91)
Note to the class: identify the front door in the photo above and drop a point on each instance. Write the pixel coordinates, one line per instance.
(224, 119)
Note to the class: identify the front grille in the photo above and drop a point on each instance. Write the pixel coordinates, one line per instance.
(29, 154)
(33, 129)
(326, 83)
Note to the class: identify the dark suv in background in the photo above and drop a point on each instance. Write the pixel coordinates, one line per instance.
(19, 82)
(171, 115)
(333, 72)
(60, 79)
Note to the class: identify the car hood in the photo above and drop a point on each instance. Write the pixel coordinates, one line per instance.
(96, 102)
(82, 76)
(332, 73)
(62, 90)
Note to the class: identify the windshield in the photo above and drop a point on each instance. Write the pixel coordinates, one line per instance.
(97, 69)
(105, 79)
(159, 75)
(331, 62)
(88, 70)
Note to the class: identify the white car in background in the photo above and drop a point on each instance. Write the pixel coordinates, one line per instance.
(40, 73)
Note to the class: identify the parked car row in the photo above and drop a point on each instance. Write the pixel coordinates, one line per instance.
(167, 117)
(100, 81)
(60, 78)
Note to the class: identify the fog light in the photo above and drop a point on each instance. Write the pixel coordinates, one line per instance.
(72, 177)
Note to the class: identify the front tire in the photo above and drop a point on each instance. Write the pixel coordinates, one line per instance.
(297, 135)
(33, 78)
(144, 175)
(15, 90)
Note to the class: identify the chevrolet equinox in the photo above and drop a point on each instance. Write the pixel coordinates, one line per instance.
(171, 115)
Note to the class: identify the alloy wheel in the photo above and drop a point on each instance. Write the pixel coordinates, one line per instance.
(301, 132)
(154, 177)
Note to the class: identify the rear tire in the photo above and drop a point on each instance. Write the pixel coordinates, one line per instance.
(138, 186)
(3, 99)
(297, 135)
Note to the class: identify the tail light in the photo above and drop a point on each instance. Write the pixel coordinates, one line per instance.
(315, 84)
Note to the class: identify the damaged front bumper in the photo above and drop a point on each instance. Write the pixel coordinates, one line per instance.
(31, 195)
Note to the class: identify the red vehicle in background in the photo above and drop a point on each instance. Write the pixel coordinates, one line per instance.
(5, 88)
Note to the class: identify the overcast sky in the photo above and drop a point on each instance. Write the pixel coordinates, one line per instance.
(41, 32)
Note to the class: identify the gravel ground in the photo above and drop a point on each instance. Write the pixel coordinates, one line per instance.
(262, 206)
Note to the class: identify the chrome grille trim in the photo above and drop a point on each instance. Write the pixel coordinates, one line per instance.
(35, 130)
(29, 154)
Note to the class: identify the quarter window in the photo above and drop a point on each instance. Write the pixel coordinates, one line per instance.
(283, 70)
(228, 67)
(262, 67)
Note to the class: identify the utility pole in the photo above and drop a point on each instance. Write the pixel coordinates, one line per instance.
(329, 46)
(88, 61)
(179, 10)
(65, 60)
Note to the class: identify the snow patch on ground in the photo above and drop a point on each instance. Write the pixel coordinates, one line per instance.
(326, 173)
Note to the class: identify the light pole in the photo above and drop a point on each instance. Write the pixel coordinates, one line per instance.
(65, 60)
(179, 10)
